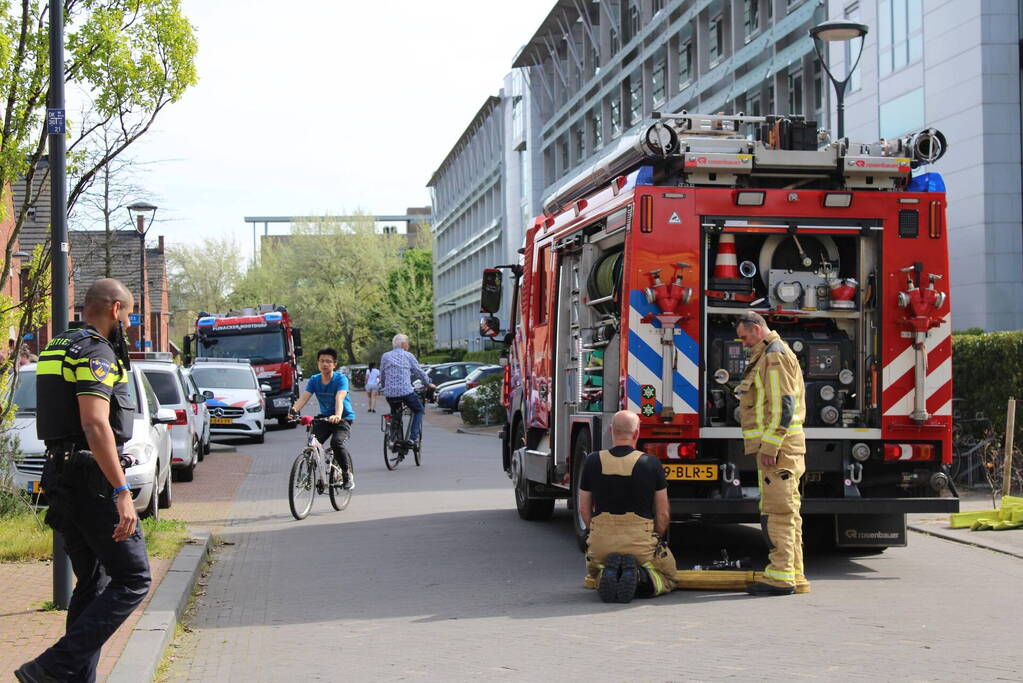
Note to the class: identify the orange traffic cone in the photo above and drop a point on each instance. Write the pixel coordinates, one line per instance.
(726, 267)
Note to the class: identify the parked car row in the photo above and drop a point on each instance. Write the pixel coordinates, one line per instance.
(177, 411)
(449, 394)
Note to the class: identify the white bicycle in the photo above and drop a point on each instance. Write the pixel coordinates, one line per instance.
(315, 471)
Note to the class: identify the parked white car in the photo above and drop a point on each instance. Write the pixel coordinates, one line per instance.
(234, 397)
(149, 447)
(190, 431)
(203, 411)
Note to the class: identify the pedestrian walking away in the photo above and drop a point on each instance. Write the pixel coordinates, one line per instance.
(85, 415)
(623, 500)
(331, 390)
(372, 386)
(397, 367)
(772, 409)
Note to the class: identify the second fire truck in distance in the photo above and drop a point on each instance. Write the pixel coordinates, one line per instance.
(627, 293)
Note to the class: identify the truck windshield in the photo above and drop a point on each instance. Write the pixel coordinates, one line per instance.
(260, 347)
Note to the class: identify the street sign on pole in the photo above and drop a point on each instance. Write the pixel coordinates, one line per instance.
(55, 122)
(134, 319)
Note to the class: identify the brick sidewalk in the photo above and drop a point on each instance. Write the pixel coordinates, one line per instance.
(25, 630)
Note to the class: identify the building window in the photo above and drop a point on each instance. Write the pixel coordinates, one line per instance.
(751, 17)
(902, 115)
(657, 75)
(770, 100)
(900, 41)
(796, 92)
(580, 144)
(563, 149)
(685, 63)
(716, 38)
(656, 6)
(518, 123)
(818, 87)
(597, 128)
(635, 98)
(630, 21)
(753, 105)
(852, 13)
(616, 116)
(615, 44)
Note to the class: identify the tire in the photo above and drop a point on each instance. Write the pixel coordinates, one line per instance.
(152, 510)
(580, 449)
(259, 439)
(200, 454)
(340, 497)
(418, 450)
(391, 458)
(529, 509)
(166, 497)
(302, 486)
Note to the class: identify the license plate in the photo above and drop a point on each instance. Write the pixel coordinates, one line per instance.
(679, 472)
(34, 487)
(282, 403)
(221, 420)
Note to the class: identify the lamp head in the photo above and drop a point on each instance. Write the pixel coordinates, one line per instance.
(838, 31)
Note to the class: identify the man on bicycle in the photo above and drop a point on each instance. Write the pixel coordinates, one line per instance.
(397, 367)
(331, 390)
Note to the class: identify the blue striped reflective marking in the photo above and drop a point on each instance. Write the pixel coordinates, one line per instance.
(683, 342)
(652, 360)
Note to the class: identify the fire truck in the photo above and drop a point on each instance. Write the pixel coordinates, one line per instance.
(629, 285)
(264, 336)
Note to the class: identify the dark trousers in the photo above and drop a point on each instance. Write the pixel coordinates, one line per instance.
(415, 405)
(112, 579)
(338, 434)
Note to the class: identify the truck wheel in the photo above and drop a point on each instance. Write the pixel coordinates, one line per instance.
(580, 449)
(529, 509)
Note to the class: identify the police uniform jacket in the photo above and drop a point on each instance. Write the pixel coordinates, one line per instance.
(771, 401)
(76, 363)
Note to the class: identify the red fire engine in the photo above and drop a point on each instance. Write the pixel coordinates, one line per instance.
(266, 338)
(629, 286)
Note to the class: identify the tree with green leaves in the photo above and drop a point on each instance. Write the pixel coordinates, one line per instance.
(201, 277)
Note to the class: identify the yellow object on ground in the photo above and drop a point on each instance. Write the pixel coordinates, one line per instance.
(715, 579)
(1008, 516)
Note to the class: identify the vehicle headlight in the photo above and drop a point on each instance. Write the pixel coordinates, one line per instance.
(140, 453)
(255, 408)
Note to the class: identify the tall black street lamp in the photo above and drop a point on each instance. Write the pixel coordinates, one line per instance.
(839, 31)
(142, 214)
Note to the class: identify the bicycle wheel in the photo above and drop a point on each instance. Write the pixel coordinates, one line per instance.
(340, 497)
(391, 458)
(302, 486)
(419, 449)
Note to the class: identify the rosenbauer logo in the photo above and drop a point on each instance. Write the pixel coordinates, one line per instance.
(898, 165)
(739, 160)
(856, 535)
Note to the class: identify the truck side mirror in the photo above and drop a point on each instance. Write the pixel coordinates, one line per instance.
(490, 291)
(296, 337)
(490, 326)
(186, 351)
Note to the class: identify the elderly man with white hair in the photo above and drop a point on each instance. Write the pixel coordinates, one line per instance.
(397, 367)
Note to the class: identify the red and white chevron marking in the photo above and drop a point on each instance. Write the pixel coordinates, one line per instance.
(897, 376)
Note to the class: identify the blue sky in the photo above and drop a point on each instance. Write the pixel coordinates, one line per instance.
(323, 107)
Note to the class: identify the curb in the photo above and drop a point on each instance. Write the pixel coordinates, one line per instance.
(155, 628)
(459, 430)
(957, 538)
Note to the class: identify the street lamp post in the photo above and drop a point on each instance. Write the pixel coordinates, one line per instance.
(838, 31)
(139, 212)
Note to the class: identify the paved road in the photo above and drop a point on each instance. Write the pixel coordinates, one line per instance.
(430, 575)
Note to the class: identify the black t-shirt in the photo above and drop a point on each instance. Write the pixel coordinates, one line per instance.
(617, 494)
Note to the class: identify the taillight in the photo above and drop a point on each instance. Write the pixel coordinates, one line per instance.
(646, 213)
(471, 385)
(937, 216)
(670, 450)
(908, 451)
(181, 417)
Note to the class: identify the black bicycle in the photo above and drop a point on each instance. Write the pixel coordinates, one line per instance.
(397, 443)
(315, 471)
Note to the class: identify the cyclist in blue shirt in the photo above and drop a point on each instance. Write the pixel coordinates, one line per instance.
(331, 390)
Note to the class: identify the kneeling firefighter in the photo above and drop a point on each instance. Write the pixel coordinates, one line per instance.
(623, 499)
(772, 408)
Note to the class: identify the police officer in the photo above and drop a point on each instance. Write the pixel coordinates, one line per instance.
(84, 416)
(623, 500)
(772, 409)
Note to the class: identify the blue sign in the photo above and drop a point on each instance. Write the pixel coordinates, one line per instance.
(137, 344)
(134, 319)
(55, 121)
(149, 344)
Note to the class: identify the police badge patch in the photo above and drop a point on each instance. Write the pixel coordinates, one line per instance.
(100, 368)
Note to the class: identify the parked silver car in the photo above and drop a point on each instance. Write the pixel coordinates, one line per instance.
(190, 431)
(149, 447)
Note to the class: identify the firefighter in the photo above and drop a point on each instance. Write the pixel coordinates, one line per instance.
(627, 553)
(772, 409)
(85, 415)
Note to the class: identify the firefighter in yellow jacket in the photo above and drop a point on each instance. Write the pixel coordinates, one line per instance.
(772, 406)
